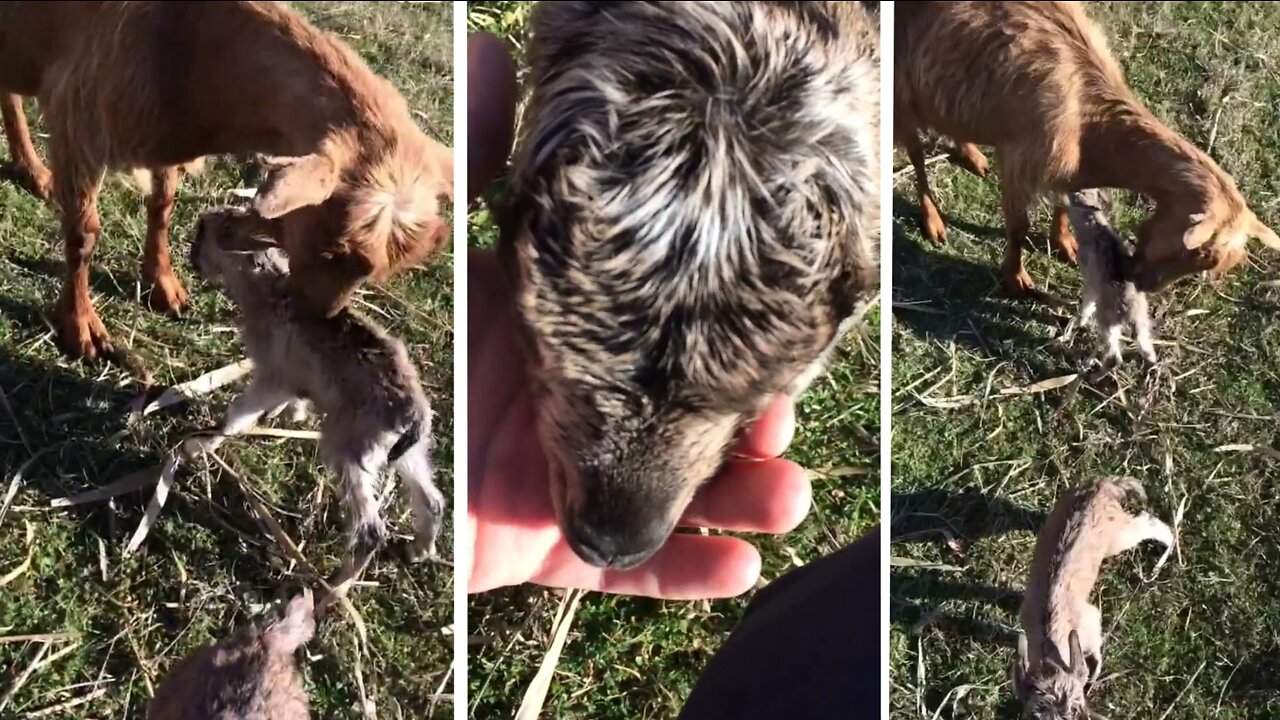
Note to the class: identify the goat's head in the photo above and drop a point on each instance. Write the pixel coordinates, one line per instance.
(691, 223)
(347, 216)
(1180, 239)
(230, 244)
(1052, 691)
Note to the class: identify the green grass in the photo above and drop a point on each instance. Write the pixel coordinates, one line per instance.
(207, 567)
(638, 658)
(971, 483)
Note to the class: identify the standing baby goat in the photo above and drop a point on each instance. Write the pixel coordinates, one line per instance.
(354, 373)
(1108, 295)
(1087, 526)
(252, 676)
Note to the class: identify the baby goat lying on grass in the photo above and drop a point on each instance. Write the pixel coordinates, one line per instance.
(1087, 526)
(1104, 259)
(354, 373)
(252, 676)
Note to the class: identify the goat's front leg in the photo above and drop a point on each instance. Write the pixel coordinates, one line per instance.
(297, 408)
(934, 228)
(81, 333)
(1140, 528)
(164, 290)
(426, 500)
(27, 169)
(1061, 238)
(244, 412)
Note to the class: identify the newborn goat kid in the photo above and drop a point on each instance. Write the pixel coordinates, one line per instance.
(1104, 258)
(252, 676)
(1087, 526)
(354, 373)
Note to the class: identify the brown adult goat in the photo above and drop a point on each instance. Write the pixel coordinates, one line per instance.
(355, 184)
(1036, 81)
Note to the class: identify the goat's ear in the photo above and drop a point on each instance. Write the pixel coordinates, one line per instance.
(1078, 667)
(1265, 234)
(244, 242)
(295, 183)
(1200, 231)
(443, 157)
(297, 627)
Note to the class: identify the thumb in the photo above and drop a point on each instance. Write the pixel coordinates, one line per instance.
(491, 110)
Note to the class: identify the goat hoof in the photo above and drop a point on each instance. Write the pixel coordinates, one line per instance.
(1067, 247)
(370, 537)
(977, 165)
(971, 159)
(82, 335)
(416, 552)
(199, 446)
(37, 181)
(1019, 284)
(166, 294)
(935, 230)
(298, 412)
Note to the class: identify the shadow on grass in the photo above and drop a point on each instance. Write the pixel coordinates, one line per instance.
(79, 426)
(924, 598)
(100, 281)
(971, 515)
(940, 516)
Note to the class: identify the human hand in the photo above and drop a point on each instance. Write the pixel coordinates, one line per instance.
(513, 531)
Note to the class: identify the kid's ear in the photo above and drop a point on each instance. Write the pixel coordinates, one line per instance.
(244, 243)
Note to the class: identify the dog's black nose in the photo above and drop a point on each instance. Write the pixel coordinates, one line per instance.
(618, 548)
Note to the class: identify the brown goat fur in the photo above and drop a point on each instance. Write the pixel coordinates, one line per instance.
(251, 676)
(691, 226)
(1036, 81)
(354, 187)
(1061, 629)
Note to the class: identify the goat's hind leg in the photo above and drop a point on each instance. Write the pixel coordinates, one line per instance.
(1141, 319)
(1111, 350)
(934, 228)
(79, 166)
(27, 169)
(970, 158)
(425, 499)
(1091, 639)
(359, 464)
(1143, 527)
(1085, 318)
(1061, 237)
